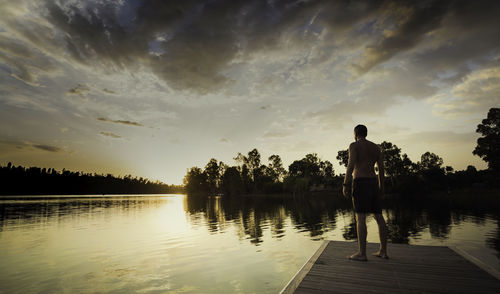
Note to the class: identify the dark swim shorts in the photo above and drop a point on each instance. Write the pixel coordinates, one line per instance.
(365, 196)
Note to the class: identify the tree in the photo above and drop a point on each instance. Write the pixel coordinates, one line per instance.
(395, 164)
(231, 182)
(429, 161)
(343, 157)
(327, 172)
(212, 171)
(253, 162)
(488, 145)
(430, 168)
(275, 168)
(195, 181)
(448, 169)
(309, 171)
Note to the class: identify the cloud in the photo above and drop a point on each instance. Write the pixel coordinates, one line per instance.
(193, 45)
(443, 137)
(107, 91)
(26, 144)
(47, 148)
(106, 134)
(479, 91)
(125, 122)
(412, 22)
(277, 134)
(78, 90)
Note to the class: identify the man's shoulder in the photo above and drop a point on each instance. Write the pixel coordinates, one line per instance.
(374, 144)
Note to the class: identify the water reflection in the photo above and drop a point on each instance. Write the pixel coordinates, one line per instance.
(192, 244)
(253, 215)
(40, 211)
(318, 215)
(493, 239)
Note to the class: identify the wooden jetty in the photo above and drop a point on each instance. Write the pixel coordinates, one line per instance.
(410, 269)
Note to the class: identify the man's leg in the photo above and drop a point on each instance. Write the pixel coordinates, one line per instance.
(361, 228)
(382, 232)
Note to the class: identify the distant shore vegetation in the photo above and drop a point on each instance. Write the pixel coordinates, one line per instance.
(249, 175)
(19, 180)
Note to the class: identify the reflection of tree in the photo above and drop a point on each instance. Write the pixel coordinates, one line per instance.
(317, 215)
(309, 213)
(40, 210)
(439, 222)
(314, 215)
(494, 240)
(403, 222)
(350, 231)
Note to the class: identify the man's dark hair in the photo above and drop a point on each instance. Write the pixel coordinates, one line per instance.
(361, 131)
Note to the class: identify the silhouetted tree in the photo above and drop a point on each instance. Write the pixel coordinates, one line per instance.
(307, 172)
(430, 168)
(488, 146)
(34, 180)
(394, 163)
(275, 168)
(343, 157)
(195, 181)
(429, 161)
(231, 183)
(212, 171)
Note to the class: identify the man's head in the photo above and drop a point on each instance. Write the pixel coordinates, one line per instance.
(360, 131)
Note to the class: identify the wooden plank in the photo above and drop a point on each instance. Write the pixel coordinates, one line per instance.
(476, 261)
(411, 269)
(295, 281)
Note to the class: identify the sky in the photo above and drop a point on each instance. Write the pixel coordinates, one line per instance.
(152, 88)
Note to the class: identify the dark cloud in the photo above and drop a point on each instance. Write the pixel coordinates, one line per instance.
(107, 91)
(78, 90)
(106, 134)
(47, 148)
(25, 144)
(125, 122)
(412, 22)
(191, 44)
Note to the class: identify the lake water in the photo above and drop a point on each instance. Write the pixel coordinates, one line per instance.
(180, 244)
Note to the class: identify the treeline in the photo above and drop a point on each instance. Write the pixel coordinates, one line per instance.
(310, 174)
(19, 180)
(250, 176)
(407, 177)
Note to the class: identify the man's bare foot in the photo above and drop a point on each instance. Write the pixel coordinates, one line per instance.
(381, 254)
(358, 256)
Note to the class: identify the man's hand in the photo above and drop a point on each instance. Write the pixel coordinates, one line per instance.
(346, 191)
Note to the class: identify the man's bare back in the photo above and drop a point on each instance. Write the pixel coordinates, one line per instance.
(366, 154)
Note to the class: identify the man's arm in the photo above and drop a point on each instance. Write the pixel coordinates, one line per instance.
(381, 172)
(350, 164)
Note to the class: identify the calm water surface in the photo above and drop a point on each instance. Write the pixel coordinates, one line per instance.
(179, 244)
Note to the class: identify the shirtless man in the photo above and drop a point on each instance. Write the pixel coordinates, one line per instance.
(366, 190)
